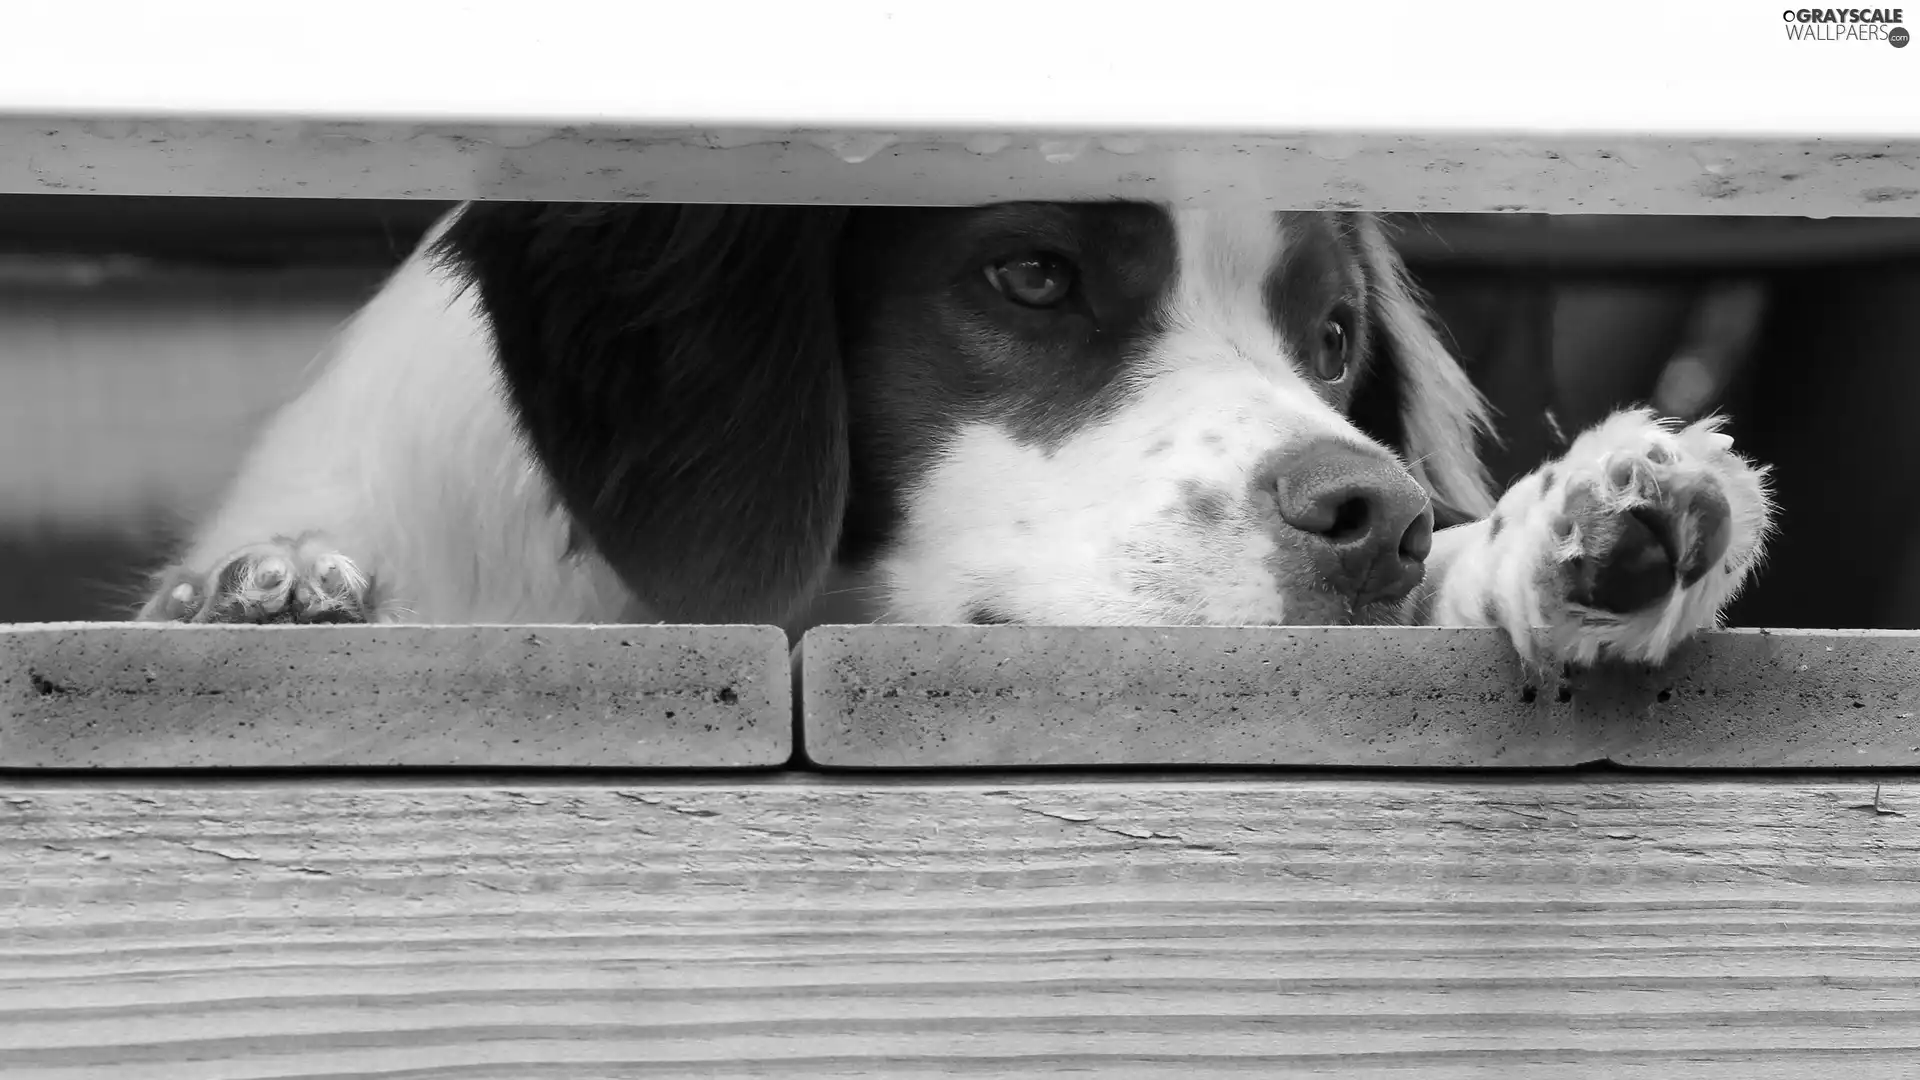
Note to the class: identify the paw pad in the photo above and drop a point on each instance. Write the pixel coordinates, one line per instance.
(282, 581)
(1649, 516)
(1636, 572)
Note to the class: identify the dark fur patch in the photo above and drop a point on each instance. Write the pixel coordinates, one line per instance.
(1546, 480)
(1203, 506)
(987, 615)
(675, 371)
(688, 376)
(1494, 525)
(1320, 277)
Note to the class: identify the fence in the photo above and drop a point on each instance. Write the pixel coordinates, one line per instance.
(596, 851)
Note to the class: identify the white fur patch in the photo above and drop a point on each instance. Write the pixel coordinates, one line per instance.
(402, 454)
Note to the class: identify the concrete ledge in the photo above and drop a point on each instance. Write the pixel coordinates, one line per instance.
(1766, 699)
(130, 696)
(1004, 696)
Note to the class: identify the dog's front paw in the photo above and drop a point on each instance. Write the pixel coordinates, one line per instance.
(299, 580)
(1636, 538)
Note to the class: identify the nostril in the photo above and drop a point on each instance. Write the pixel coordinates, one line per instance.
(1356, 513)
(1351, 518)
(1417, 542)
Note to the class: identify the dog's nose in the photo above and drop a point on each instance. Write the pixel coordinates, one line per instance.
(1370, 527)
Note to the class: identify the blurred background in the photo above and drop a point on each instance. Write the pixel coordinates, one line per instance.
(143, 340)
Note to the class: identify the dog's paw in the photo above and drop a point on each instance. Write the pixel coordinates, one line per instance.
(1634, 539)
(299, 580)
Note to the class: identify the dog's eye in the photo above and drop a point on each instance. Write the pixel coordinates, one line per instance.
(1036, 280)
(1336, 341)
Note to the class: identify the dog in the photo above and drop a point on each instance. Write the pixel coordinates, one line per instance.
(1099, 412)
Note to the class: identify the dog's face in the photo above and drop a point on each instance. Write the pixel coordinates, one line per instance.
(1062, 413)
(1115, 413)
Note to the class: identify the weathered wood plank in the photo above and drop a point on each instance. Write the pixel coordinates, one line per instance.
(106, 695)
(1009, 696)
(1287, 167)
(1354, 928)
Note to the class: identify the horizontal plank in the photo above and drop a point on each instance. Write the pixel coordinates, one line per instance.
(1352, 928)
(1480, 105)
(104, 695)
(145, 153)
(1009, 696)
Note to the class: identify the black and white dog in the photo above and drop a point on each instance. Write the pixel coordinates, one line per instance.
(1067, 413)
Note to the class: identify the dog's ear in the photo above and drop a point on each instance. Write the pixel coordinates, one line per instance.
(676, 372)
(1417, 398)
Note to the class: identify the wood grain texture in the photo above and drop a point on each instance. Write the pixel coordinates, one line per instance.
(103, 695)
(1351, 928)
(1013, 696)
